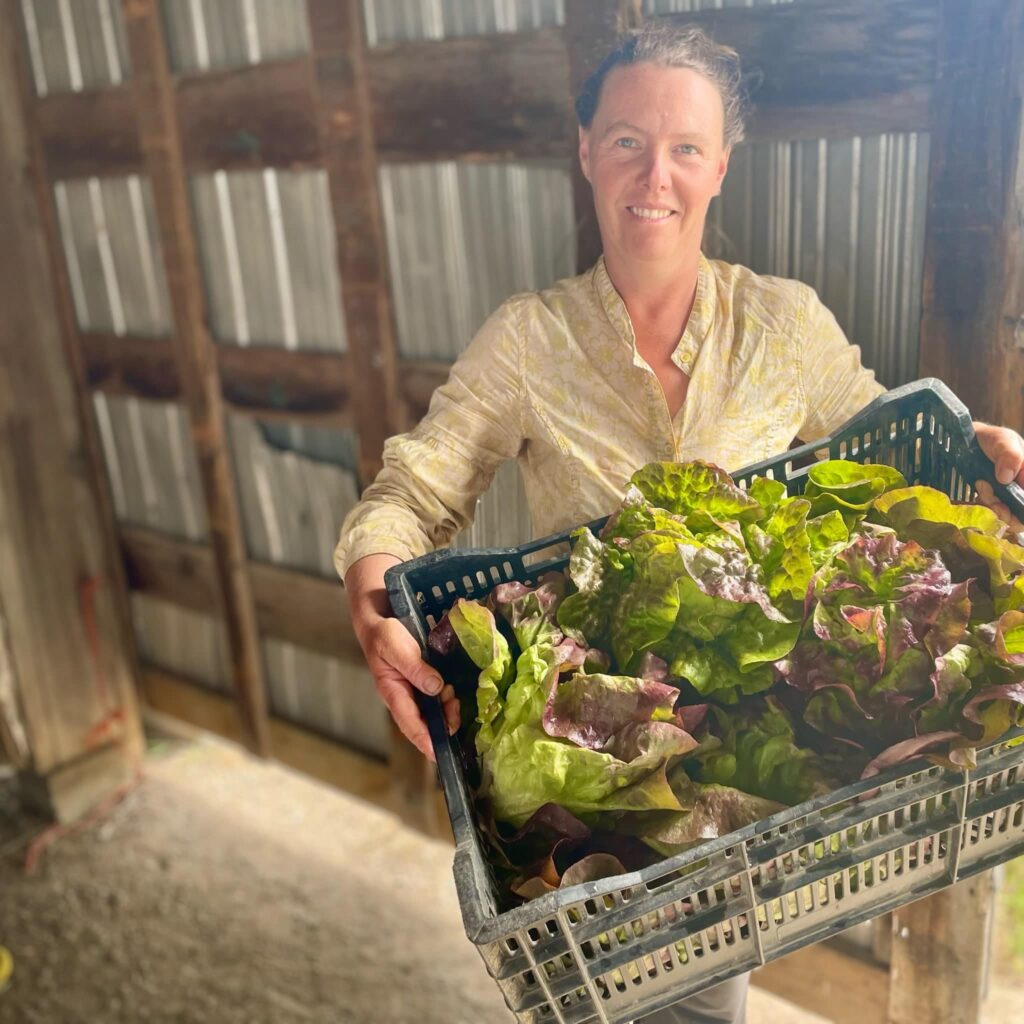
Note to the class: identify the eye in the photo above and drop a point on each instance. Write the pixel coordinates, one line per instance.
(687, 149)
(626, 142)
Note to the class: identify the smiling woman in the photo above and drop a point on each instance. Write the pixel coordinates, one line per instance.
(654, 354)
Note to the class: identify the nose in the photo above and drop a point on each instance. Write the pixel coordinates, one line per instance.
(654, 174)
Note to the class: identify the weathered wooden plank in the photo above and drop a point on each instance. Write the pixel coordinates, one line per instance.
(86, 133)
(352, 772)
(265, 382)
(831, 68)
(828, 68)
(349, 148)
(302, 609)
(489, 96)
(417, 381)
(940, 955)
(69, 646)
(257, 116)
(972, 318)
(829, 980)
(160, 137)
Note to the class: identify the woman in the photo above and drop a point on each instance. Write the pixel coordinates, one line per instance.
(655, 353)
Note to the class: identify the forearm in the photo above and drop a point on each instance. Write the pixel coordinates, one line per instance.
(367, 594)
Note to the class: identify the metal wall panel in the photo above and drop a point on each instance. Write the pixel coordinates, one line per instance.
(151, 464)
(112, 247)
(687, 6)
(391, 21)
(182, 642)
(296, 484)
(203, 34)
(269, 262)
(332, 697)
(462, 237)
(74, 44)
(845, 216)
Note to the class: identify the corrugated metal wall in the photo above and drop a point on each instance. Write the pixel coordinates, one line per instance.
(845, 216)
(267, 244)
(391, 21)
(205, 34)
(75, 44)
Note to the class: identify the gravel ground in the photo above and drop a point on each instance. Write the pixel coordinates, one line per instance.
(225, 890)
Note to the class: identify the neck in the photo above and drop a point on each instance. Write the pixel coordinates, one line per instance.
(655, 294)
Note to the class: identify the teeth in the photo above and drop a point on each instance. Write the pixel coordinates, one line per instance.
(641, 211)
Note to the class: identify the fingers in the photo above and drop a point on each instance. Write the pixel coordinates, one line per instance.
(397, 695)
(1005, 448)
(393, 645)
(987, 496)
(450, 703)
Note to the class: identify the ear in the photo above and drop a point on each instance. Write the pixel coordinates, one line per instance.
(723, 166)
(585, 152)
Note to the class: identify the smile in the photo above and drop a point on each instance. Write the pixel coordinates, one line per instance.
(645, 213)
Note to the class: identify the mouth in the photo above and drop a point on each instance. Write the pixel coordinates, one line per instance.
(651, 214)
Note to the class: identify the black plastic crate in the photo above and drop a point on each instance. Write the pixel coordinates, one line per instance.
(617, 949)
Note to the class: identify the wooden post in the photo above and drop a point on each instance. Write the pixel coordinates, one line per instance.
(972, 321)
(939, 961)
(349, 147)
(65, 639)
(591, 29)
(196, 359)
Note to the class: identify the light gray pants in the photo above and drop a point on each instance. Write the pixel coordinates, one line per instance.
(724, 1004)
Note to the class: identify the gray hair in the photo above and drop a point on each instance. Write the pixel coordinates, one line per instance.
(684, 46)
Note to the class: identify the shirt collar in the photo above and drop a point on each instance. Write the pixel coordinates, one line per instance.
(699, 325)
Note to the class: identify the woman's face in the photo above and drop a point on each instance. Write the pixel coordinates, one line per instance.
(654, 155)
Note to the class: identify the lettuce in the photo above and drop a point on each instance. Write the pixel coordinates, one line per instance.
(716, 653)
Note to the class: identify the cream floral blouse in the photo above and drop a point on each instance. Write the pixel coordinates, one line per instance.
(553, 379)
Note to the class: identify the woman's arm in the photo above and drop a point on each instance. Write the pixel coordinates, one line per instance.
(426, 492)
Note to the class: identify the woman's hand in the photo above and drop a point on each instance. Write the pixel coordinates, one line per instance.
(1005, 448)
(393, 655)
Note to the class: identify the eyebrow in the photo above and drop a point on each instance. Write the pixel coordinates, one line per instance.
(619, 125)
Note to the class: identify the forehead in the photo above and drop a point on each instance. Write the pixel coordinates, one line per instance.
(660, 98)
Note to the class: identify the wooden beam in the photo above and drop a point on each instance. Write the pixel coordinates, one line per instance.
(82, 468)
(256, 116)
(266, 382)
(591, 30)
(972, 318)
(161, 144)
(349, 146)
(829, 68)
(350, 157)
(485, 96)
(940, 956)
(827, 979)
(354, 773)
(417, 381)
(87, 133)
(489, 97)
(304, 610)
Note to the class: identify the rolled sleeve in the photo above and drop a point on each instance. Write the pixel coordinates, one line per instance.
(431, 478)
(834, 382)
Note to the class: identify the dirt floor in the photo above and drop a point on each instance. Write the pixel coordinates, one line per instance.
(224, 890)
